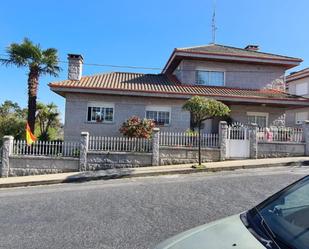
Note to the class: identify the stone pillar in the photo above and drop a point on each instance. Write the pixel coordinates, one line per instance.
(253, 141)
(156, 147)
(7, 150)
(84, 141)
(222, 139)
(306, 136)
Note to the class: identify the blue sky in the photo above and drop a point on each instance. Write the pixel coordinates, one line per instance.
(143, 33)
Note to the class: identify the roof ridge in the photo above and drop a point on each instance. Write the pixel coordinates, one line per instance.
(241, 49)
(115, 72)
(197, 46)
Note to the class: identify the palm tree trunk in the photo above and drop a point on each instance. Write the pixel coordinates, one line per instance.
(33, 82)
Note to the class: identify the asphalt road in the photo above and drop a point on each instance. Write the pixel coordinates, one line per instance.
(130, 213)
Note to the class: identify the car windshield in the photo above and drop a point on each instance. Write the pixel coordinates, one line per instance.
(286, 215)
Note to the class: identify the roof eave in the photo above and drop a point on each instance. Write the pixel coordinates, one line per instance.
(296, 77)
(235, 99)
(287, 63)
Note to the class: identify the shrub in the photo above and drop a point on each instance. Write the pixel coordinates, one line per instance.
(137, 127)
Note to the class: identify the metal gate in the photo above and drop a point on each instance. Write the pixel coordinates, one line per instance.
(238, 142)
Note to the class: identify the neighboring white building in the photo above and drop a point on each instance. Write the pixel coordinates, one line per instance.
(298, 84)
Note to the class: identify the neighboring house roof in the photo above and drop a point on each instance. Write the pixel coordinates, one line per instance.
(222, 52)
(298, 75)
(162, 85)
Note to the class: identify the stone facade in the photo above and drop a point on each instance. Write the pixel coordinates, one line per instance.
(238, 75)
(155, 147)
(273, 149)
(75, 68)
(83, 151)
(223, 139)
(6, 153)
(170, 155)
(108, 160)
(253, 141)
(37, 165)
(125, 107)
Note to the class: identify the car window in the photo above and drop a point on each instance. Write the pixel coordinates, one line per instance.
(287, 216)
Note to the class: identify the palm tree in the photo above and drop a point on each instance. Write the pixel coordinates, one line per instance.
(40, 62)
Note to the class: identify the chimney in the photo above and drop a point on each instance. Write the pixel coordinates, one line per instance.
(75, 66)
(251, 47)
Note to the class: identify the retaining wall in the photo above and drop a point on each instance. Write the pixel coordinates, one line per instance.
(106, 160)
(279, 149)
(35, 165)
(169, 155)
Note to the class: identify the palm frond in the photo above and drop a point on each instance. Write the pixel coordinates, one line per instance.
(31, 55)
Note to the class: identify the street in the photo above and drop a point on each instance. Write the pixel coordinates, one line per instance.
(130, 213)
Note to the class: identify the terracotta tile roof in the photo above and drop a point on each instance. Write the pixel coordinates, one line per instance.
(233, 51)
(161, 84)
(298, 75)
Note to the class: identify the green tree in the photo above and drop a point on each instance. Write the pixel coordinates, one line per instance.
(202, 109)
(12, 120)
(39, 62)
(48, 122)
(136, 127)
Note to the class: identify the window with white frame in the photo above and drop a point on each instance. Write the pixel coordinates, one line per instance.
(300, 117)
(160, 115)
(210, 78)
(259, 118)
(100, 113)
(301, 88)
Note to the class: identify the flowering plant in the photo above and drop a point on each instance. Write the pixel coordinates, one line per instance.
(137, 127)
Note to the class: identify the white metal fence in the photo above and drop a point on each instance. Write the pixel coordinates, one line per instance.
(47, 148)
(238, 132)
(183, 139)
(281, 134)
(125, 144)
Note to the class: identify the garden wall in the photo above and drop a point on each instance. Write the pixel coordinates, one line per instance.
(279, 149)
(174, 155)
(35, 165)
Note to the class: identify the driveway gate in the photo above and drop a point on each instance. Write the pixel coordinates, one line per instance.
(238, 142)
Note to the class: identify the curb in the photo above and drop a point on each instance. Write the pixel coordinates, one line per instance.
(91, 176)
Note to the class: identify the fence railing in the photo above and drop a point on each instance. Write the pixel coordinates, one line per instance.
(183, 139)
(47, 148)
(281, 134)
(125, 144)
(238, 133)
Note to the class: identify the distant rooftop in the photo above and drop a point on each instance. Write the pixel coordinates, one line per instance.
(298, 75)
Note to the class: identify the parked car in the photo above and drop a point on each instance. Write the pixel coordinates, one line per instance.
(279, 222)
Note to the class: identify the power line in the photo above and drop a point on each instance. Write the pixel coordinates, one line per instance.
(158, 68)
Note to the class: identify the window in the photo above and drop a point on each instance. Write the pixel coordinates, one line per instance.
(100, 113)
(210, 78)
(161, 115)
(301, 88)
(300, 117)
(260, 118)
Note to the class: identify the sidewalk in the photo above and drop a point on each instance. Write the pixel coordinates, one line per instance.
(148, 171)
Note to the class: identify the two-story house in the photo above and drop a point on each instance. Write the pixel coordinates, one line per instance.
(297, 83)
(100, 103)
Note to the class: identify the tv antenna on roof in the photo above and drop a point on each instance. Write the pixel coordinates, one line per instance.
(213, 25)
